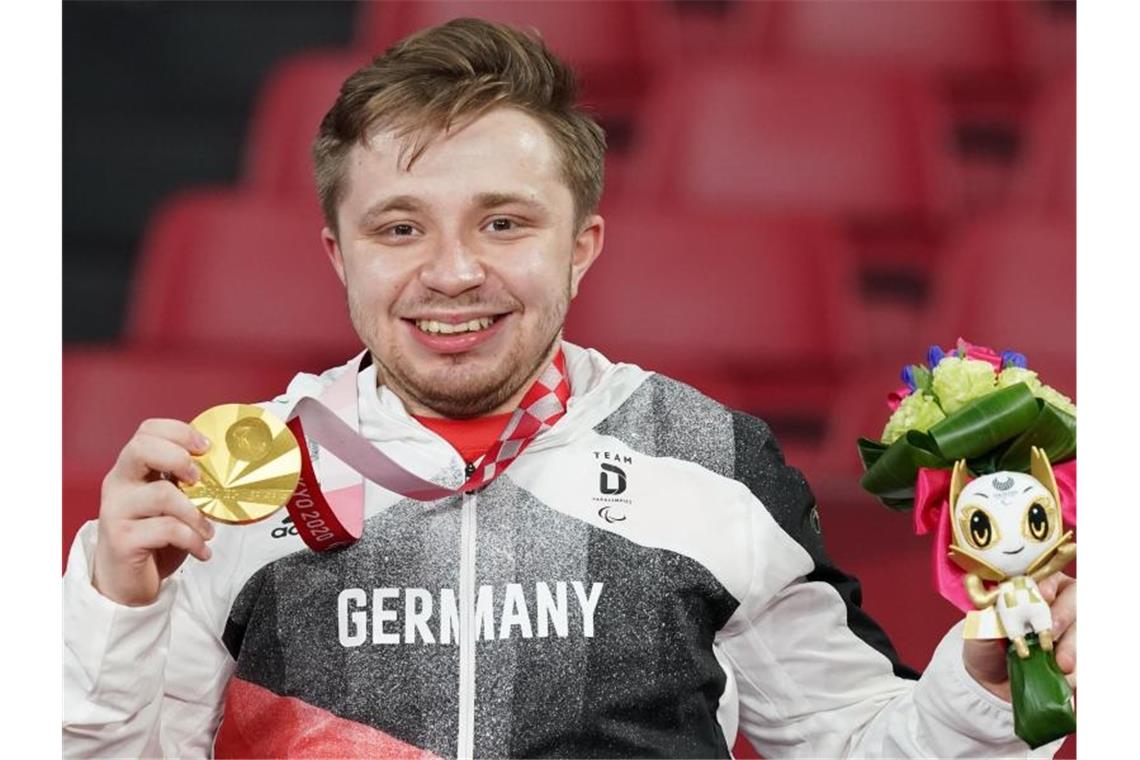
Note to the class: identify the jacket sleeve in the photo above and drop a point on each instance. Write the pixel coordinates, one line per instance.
(815, 675)
(123, 695)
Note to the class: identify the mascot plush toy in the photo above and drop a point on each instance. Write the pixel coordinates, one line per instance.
(1008, 531)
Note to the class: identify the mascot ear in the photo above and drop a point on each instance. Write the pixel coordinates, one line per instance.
(1040, 468)
(958, 480)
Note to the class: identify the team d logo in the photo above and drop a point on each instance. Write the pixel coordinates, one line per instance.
(611, 479)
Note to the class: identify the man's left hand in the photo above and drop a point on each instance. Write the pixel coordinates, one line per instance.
(985, 659)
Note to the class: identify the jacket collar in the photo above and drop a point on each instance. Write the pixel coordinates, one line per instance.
(597, 388)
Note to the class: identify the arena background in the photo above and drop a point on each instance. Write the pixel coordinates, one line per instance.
(800, 198)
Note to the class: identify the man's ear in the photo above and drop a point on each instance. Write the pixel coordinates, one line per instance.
(332, 250)
(587, 246)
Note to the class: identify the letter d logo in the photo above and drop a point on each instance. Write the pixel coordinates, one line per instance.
(605, 479)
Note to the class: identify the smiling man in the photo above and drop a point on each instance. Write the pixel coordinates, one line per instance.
(625, 568)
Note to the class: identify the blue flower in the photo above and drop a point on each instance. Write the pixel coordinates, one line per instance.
(1013, 359)
(907, 376)
(933, 356)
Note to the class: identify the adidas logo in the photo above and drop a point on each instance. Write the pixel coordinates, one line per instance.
(285, 529)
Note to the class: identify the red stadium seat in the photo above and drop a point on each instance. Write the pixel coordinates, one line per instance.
(867, 148)
(288, 111)
(1047, 177)
(107, 393)
(678, 33)
(1046, 36)
(966, 51)
(1009, 282)
(227, 271)
(838, 142)
(939, 38)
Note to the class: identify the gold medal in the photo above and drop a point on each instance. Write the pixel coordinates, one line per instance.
(252, 467)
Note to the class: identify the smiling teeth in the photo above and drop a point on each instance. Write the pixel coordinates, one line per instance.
(443, 328)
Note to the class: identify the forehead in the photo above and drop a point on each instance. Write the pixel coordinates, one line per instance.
(1001, 488)
(502, 151)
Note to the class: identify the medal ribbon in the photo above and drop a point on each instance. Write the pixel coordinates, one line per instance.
(330, 514)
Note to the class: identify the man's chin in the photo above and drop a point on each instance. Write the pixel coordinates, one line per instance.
(458, 386)
(463, 401)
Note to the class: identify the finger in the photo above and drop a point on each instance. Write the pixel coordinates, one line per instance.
(1053, 585)
(177, 431)
(160, 532)
(1064, 610)
(164, 498)
(147, 453)
(1066, 650)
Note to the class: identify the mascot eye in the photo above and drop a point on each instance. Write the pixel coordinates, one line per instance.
(981, 531)
(1037, 520)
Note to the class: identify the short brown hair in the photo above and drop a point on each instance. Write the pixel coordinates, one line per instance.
(446, 76)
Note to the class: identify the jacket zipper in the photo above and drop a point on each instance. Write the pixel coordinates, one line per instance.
(466, 741)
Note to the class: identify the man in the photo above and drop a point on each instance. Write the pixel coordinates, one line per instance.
(644, 579)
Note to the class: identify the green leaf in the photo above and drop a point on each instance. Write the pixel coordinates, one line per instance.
(1042, 699)
(870, 451)
(891, 475)
(992, 433)
(985, 423)
(1054, 431)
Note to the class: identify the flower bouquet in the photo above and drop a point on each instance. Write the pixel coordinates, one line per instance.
(985, 455)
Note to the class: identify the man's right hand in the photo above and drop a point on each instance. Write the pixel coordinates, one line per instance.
(147, 525)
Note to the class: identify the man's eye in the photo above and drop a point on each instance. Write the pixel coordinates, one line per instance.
(401, 230)
(503, 225)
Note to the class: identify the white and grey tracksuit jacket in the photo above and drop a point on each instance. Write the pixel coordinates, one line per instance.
(646, 579)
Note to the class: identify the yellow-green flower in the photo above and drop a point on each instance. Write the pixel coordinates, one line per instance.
(916, 412)
(1056, 398)
(1014, 375)
(959, 381)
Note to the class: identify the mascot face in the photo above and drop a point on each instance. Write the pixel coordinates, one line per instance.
(1007, 520)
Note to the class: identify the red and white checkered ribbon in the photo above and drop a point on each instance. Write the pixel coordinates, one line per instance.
(542, 406)
(329, 513)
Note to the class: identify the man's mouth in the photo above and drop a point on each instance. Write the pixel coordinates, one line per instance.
(455, 334)
(435, 327)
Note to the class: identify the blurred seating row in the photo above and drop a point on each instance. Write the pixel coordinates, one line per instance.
(610, 38)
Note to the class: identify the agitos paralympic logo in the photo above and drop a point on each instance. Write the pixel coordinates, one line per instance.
(612, 482)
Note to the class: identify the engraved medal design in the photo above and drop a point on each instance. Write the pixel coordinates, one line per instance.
(252, 468)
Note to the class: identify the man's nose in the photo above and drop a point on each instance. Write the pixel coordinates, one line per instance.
(453, 268)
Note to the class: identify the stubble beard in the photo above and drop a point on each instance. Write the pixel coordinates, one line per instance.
(459, 392)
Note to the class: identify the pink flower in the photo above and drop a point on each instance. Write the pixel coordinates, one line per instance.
(895, 397)
(981, 353)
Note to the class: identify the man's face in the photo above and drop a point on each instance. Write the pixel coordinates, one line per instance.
(459, 270)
